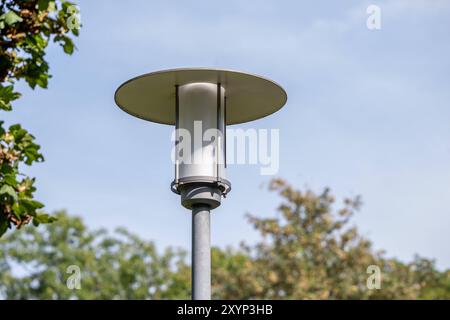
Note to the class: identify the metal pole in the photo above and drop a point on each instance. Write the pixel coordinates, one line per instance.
(201, 253)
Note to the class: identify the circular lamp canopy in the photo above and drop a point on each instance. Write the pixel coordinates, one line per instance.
(152, 96)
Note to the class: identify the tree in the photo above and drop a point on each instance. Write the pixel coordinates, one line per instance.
(112, 266)
(308, 251)
(26, 28)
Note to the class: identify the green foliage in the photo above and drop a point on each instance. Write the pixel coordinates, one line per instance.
(7, 95)
(308, 251)
(112, 266)
(8, 19)
(26, 28)
(17, 205)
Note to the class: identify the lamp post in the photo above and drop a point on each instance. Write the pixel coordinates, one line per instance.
(200, 103)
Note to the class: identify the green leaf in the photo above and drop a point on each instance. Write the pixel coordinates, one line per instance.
(4, 225)
(7, 95)
(11, 18)
(8, 190)
(10, 179)
(35, 222)
(43, 4)
(17, 132)
(66, 43)
(44, 218)
(31, 205)
(68, 46)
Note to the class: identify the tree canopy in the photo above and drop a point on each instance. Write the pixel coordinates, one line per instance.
(26, 29)
(308, 250)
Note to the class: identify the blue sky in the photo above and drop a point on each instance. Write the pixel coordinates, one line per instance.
(368, 113)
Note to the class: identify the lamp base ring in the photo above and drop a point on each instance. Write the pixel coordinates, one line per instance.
(222, 184)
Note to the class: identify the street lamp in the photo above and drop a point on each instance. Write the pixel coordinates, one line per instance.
(200, 103)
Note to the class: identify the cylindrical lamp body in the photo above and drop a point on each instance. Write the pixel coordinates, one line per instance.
(200, 137)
